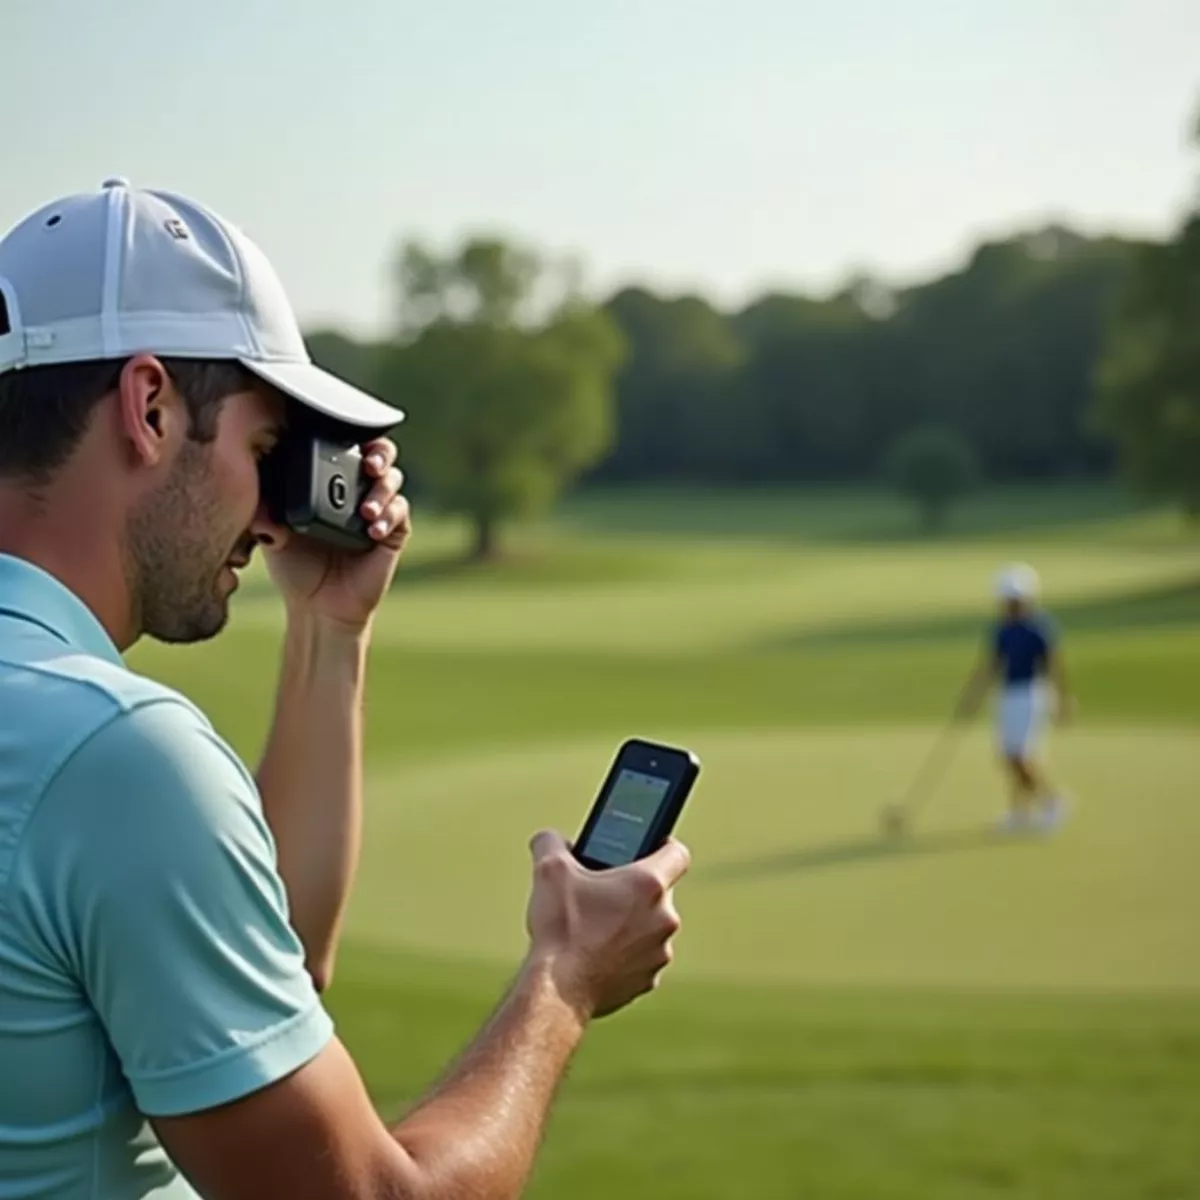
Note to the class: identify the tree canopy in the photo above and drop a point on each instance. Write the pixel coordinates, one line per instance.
(505, 375)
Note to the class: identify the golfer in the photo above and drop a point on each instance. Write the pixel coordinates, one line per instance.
(169, 919)
(1024, 661)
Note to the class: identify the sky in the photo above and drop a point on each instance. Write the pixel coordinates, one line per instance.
(684, 145)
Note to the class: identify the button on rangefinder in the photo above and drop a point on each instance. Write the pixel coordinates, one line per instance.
(339, 491)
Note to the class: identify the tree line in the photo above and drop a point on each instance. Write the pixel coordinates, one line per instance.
(1048, 355)
(796, 389)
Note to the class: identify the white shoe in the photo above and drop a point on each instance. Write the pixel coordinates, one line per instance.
(1016, 821)
(1051, 813)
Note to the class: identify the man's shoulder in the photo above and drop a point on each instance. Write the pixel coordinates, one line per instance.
(1044, 625)
(58, 698)
(165, 776)
(43, 666)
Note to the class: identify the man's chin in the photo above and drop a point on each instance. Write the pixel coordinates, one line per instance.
(201, 628)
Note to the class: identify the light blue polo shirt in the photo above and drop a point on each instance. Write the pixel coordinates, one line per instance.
(147, 963)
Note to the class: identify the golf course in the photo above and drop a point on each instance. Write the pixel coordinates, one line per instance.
(954, 1013)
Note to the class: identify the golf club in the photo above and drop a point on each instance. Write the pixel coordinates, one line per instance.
(897, 818)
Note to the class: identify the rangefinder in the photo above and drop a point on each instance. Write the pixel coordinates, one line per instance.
(314, 482)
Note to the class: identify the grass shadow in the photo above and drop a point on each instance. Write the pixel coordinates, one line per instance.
(523, 565)
(851, 515)
(850, 852)
(1175, 604)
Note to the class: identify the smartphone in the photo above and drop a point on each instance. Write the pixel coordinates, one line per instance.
(638, 804)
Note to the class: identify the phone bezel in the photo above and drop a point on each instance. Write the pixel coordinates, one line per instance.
(638, 754)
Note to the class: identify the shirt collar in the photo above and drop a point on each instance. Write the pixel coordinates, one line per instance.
(32, 594)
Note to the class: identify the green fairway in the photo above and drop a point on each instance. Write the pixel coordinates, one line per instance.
(774, 1092)
(793, 880)
(955, 1015)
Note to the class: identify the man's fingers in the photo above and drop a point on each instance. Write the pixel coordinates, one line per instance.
(669, 862)
(393, 521)
(380, 455)
(382, 493)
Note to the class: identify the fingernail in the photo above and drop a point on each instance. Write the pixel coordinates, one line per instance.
(379, 528)
(376, 461)
(371, 509)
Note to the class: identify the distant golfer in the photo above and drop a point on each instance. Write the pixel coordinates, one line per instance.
(1024, 658)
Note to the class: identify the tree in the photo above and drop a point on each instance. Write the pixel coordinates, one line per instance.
(352, 360)
(934, 467)
(1149, 377)
(508, 389)
(677, 411)
(1005, 349)
(821, 378)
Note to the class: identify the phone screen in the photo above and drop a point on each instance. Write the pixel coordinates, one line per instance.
(628, 812)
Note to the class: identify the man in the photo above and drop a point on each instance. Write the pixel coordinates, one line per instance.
(1024, 656)
(167, 920)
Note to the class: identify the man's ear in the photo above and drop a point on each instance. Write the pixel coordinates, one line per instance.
(153, 415)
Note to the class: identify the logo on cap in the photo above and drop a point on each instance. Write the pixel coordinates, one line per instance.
(176, 228)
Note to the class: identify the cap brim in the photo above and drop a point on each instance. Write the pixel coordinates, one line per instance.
(327, 394)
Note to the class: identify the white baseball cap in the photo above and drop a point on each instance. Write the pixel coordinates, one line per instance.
(123, 271)
(1017, 581)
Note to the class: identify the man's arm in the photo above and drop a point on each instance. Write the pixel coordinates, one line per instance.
(316, 1135)
(1062, 684)
(166, 904)
(597, 941)
(310, 778)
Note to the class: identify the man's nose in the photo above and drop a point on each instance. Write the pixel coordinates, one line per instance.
(266, 531)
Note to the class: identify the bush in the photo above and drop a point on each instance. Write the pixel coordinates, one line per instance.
(934, 467)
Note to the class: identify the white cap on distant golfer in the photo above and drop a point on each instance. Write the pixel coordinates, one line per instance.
(117, 272)
(1018, 581)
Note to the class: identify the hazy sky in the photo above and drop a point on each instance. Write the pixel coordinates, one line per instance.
(685, 144)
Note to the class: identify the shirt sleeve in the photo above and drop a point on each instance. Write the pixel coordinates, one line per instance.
(149, 872)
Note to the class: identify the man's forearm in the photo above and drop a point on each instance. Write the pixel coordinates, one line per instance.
(477, 1132)
(1059, 672)
(311, 779)
(1062, 688)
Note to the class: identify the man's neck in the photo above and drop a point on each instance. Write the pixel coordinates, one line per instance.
(73, 548)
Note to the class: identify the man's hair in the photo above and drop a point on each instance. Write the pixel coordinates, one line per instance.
(45, 410)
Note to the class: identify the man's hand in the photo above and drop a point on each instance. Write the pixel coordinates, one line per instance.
(346, 587)
(605, 934)
(599, 939)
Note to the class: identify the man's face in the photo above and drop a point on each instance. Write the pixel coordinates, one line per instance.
(186, 539)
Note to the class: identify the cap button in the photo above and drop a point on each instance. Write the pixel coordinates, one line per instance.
(115, 181)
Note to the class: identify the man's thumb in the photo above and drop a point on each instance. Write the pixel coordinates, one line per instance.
(546, 843)
(670, 862)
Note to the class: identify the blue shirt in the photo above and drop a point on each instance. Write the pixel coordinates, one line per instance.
(1023, 646)
(147, 963)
